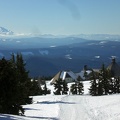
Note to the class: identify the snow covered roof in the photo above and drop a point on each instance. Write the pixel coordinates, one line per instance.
(81, 74)
(63, 75)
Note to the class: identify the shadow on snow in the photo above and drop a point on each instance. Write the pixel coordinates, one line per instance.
(30, 109)
(55, 102)
(11, 117)
(48, 118)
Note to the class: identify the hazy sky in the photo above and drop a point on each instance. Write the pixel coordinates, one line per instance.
(61, 16)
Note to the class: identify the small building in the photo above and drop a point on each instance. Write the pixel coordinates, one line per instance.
(82, 74)
(114, 68)
(68, 76)
(86, 73)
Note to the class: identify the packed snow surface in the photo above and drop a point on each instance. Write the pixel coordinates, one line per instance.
(71, 107)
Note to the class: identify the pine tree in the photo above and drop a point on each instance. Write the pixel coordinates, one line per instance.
(45, 89)
(15, 85)
(65, 87)
(58, 87)
(100, 88)
(77, 88)
(112, 86)
(35, 88)
(80, 86)
(105, 78)
(117, 85)
(24, 80)
(73, 89)
(9, 99)
(94, 86)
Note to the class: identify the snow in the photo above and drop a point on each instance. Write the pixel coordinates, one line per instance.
(70, 107)
(45, 107)
(90, 108)
(44, 52)
(103, 42)
(53, 46)
(4, 31)
(97, 56)
(68, 56)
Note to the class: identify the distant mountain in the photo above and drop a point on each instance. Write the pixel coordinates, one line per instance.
(97, 36)
(4, 31)
(48, 54)
(36, 42)
(48, 61)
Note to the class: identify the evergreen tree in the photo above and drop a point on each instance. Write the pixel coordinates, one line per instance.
(45, 90)
(77, 88)
(94, 85)
(15, 85)
(12, 59)
(100, 88)
(105, 78)
(23, 79)
(73, 89)
(116, 84)
(112, 86)
(65, 88)
(58, 87)
(9, 99)
(102, 83)
(80, 86)
(35, 88)
(86, 75)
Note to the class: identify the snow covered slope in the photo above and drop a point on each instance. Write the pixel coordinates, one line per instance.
(90, 108)
(71, 107)
(4, 31)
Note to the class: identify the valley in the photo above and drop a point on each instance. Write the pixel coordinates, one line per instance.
(47, 56)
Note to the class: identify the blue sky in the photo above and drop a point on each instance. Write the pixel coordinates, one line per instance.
(58, 17)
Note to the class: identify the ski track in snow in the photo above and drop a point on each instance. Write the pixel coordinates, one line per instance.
(90, 108)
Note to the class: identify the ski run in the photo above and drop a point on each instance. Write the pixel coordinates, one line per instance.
(71, 107)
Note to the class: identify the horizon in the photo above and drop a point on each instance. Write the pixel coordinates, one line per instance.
(61, 17)
(5, 33)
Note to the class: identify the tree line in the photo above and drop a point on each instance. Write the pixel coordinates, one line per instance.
(16, 86)
(103, 83)
(61, 88)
